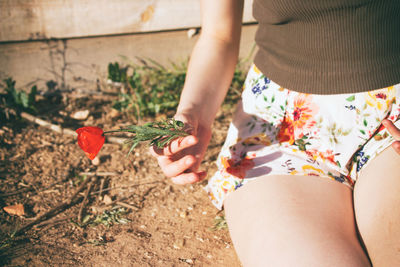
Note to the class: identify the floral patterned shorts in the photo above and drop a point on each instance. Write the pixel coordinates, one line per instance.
(276, 131)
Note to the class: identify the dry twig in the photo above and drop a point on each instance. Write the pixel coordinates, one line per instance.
(57, 209)
(98, 173)
(85, 200)
(59, 129)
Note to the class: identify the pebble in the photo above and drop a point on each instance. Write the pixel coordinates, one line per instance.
(190, 261)
(200, 239)
(107, 199)
(114, 113)
(80, 115)
(96, 161)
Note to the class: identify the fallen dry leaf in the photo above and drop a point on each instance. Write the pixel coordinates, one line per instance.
(17, 209)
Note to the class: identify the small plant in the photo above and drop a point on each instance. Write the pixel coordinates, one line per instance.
(110, 217)
(14, 101)
(219, 223)
(117, 73)
(153, 89)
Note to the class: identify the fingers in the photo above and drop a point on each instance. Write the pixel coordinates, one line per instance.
(175, 146)
(393, 130)
(396, 146)
(172, 167)
(178, 170)
(189, 178)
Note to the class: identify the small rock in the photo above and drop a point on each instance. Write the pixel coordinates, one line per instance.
(200, 239)
(190, 261)
(107, 200)
(80, 115)
(96, 161)
(114, 113)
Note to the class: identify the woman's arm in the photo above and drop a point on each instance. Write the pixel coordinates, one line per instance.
(209, 75)
(213, 60)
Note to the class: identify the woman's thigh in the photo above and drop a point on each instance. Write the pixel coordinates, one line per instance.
(294, 221)
(377, 208)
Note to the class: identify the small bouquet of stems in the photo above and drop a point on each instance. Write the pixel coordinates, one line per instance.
(160, 134)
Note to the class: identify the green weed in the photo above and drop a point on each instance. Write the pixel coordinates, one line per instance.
(219, 223)
(110, 217)
(152, 88)
(14, 101)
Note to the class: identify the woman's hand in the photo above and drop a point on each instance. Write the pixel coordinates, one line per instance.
(395, 132)
(181, 160)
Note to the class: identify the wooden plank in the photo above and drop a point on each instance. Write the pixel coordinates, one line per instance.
(46, 19)
(82, 63)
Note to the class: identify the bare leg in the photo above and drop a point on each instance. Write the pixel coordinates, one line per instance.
(377, 208)
(294, 221)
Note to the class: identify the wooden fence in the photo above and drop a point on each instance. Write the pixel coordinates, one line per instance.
(46, 19)
(71, 42)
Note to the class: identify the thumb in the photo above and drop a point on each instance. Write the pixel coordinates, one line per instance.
(190, 122)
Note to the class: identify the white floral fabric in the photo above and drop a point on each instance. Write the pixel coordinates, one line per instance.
(276, 131)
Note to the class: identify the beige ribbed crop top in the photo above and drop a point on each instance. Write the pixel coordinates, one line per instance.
(329, 46)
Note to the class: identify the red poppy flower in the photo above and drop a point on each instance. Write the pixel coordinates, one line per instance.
(90, 139)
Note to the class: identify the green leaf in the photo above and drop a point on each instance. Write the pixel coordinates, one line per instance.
(351, 98)
(32, 95)
(365, 122)
(24, 99)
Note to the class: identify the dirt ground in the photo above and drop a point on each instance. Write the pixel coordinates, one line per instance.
(133, 216)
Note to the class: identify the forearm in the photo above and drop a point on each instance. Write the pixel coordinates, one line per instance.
(209, 75)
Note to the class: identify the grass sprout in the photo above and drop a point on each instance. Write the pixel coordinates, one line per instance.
(219, 223)
(116, 215)
(151, 88)
(159, 133)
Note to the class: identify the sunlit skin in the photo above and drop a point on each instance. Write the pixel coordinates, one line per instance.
(309, 209)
